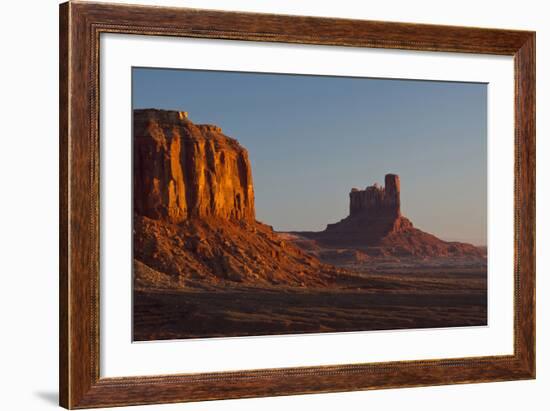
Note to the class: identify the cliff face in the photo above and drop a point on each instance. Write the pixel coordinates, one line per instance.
(183, 170)
(377, 200)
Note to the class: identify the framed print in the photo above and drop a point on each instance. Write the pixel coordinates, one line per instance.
(256, 205)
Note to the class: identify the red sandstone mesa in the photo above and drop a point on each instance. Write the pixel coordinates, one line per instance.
(375, 224)
(194, 217)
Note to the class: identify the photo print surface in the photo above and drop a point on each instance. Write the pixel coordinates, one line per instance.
(287, 204)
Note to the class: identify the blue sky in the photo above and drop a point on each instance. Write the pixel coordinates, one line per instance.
(312, 138)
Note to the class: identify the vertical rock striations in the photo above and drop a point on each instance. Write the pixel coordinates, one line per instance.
(376, 199)
(184, 170)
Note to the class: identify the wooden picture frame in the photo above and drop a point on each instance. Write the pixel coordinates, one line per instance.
(80, 27)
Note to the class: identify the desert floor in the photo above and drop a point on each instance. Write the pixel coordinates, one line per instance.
(392, 297)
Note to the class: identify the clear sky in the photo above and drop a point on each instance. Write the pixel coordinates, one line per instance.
(312, 138)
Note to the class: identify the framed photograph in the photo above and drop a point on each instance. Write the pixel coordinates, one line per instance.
(258, 205)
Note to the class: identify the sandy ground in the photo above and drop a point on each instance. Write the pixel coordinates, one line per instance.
(394, 297)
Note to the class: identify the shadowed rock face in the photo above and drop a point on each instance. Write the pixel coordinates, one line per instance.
(184, 170)
(375, 212)
(376, 200)
(375, 224)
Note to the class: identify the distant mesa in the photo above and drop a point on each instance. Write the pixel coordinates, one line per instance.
(375, 225)
(373, 213)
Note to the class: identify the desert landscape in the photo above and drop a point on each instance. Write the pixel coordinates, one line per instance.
(205, 267)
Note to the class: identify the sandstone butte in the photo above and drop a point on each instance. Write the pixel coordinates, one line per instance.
(194, 216)
(375, 225)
